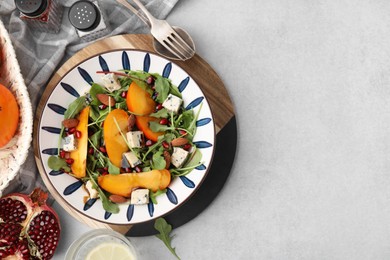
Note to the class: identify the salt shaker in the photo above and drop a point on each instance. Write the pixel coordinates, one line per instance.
(42, 15)
(88, 19)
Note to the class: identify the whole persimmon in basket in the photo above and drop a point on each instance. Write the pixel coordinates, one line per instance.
(9, 114)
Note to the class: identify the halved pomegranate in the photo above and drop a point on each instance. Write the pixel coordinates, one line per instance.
(29, 229)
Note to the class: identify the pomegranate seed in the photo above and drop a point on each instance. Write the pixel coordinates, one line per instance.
(187, 147)
(90, 150)
(150, 80)
(138, 169)
(148, 142)
(105, 169)
(69, 161)
(78, 134)
(182, 132)
(105, 173)
(62, 154)
(164, 121)
(127, 170)
(124, 94)
(102, 149)
(67, 155)
(102, 106)
(165, 144)
(159, 106)
(72, 130)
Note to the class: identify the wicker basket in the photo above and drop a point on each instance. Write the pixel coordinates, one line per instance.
(15, 153)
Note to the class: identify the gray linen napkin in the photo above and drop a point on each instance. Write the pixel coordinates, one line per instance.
(39, 54)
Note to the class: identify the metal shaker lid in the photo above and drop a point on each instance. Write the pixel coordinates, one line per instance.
(84, 15)
(31, 8)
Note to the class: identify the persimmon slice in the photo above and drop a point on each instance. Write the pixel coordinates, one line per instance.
(115, 143)
(79, 156)
(139, 101)
(9, 115)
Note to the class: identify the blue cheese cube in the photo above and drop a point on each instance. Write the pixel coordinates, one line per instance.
(179, 156)
(111, 82)
(134, 138)
(132, 159)
(70, 143)
(172, 103)
(92, 192)
(140, 196)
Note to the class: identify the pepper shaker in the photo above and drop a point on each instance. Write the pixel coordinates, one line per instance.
(88, 20)
(42, 15)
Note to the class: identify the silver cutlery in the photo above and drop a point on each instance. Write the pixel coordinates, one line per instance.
(170, 41)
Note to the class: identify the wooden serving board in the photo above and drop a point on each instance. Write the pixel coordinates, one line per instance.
(196, 67)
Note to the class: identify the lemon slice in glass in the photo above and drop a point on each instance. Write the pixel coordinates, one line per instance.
(110, 251)
(101, 244)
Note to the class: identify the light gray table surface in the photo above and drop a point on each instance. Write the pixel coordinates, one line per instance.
(310, 81)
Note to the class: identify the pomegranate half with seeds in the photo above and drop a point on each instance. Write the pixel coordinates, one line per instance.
(29, 229)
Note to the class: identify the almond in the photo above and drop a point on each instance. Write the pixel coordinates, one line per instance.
(167, 158)
(131, 122)
(106, 99)
(179, 141)
(117, 198)
(71, 122)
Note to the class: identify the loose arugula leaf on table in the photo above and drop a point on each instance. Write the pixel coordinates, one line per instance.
(56, 163)
(75, 107)
(165, 229)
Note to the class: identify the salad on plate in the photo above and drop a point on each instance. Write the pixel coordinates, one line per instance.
(127, 138)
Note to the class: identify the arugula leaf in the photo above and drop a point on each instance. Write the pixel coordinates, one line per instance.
(185, 119)
(158, 160)
(96, 138)
(194, 159)
(112, 169)
(94, 112)
(121, 105)
(175, 91)
(96, 89)
(162, 113)
(75, 107)
(56, 163)
(153, 195)
(140, 77)
(125, 82)
(165, 229)
(162, 88)
(156, 127)
(91, 162)
(108, 205)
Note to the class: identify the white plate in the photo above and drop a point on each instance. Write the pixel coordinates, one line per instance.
(14, 154)
(77, 82)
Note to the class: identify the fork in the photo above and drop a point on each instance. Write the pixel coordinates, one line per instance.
(162, 32)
